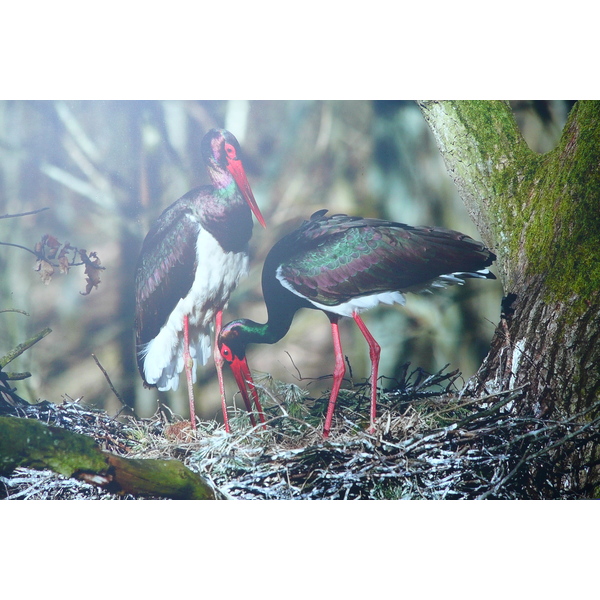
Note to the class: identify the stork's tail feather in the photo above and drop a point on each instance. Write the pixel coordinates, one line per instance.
(481, 274)
(151, 360)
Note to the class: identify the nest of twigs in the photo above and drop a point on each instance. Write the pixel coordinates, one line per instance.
(432, 442)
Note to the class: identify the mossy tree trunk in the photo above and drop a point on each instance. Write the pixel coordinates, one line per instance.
(541, 215)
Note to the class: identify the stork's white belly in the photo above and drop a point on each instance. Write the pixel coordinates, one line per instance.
(362, 303)
(217, 275)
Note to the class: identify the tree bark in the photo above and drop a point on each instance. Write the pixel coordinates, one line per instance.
(541, 215)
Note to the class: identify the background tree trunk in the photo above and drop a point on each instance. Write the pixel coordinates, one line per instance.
(541, 215)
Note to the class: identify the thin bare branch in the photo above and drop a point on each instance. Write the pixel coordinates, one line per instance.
(24, 214)
(21, 247)
(112, 387)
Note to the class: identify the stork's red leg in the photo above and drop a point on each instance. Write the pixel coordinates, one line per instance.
(245, 379)
(189, 365)
(374, 352)
(254, 393)
(338, 374)
(219, 364)
(261, 415)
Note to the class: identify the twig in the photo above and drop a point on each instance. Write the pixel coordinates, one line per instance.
(10, 376)
(22, 248)
(31, 212)
(498, 486)
(8, 393)
(18, 350)
(112, 387)
(490, 411)
(299, 377)
(17, 310)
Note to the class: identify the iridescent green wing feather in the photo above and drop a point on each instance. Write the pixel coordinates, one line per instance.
(335, 259)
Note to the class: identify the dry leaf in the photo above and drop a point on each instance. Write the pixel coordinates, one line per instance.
(63, 259)
(63, 265)
(92, 270)
(45, 269)
(50, 258)
(53, 245)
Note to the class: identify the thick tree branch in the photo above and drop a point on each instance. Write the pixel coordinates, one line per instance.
(540, 213)
(487, 157)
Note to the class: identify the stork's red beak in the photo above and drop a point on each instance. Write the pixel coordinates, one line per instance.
(243, 378)
(235, 167)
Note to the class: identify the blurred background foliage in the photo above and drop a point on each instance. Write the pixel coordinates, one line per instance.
(107, 169)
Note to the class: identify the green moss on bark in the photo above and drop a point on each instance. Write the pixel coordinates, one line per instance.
(563, 236)
(545, 206)
(29, 443)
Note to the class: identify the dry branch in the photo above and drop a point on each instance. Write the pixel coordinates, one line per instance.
(18, 350)
(24, 214)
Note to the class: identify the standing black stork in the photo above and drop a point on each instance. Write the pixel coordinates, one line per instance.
(344, 265)
(190, 262)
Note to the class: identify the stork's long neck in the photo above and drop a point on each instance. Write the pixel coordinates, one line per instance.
(281, 307)
(280, 302)
(272, 331)
(257, 333)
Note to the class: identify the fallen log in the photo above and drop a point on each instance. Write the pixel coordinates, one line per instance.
(34, 445)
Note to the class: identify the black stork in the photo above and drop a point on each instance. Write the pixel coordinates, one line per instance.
(191, 260)
(343, 266)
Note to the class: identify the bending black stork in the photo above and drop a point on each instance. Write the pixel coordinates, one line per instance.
(344, 265)
(190, 262)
